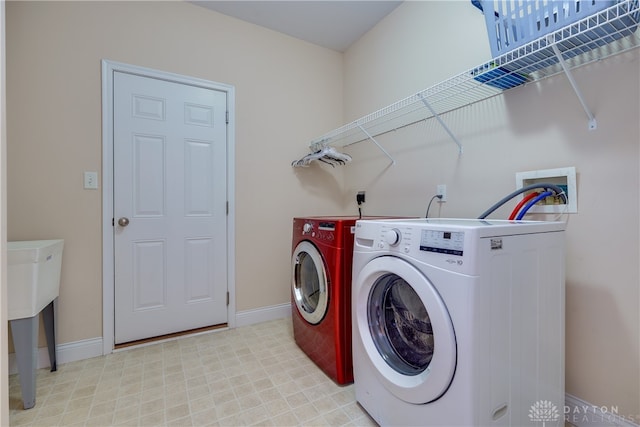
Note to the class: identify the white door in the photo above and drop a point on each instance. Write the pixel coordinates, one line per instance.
(170, 220)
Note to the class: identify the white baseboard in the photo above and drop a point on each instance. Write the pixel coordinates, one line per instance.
(65, 353)
(263, 314)
(584, 414)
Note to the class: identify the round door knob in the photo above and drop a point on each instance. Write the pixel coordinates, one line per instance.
(123, 222)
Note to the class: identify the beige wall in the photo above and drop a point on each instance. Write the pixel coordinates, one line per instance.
(539, 126)
(287, 92)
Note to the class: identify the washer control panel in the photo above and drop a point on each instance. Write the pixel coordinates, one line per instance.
(324, 231)
(442, 242)
(407, 240)
(394, 238)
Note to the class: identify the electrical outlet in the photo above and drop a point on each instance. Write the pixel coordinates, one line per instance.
(91, 180)
(441, 190)
(360, 198)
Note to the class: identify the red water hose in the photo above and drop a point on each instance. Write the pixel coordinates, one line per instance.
(519, 206)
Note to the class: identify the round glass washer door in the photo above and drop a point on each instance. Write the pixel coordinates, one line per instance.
(309, 282)
(405, 329)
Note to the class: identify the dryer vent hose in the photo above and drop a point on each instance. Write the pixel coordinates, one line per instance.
(554, 189)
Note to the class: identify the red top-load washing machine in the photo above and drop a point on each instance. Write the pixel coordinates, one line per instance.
(321, 292)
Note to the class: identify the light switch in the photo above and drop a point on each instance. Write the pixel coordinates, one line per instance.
(91, 180)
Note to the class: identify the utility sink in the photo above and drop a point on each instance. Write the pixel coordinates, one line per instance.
(33, 284)
(33, 276)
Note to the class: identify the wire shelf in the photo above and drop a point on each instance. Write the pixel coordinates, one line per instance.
(604, 34)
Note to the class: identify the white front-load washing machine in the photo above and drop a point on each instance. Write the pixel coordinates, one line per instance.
(459, 322)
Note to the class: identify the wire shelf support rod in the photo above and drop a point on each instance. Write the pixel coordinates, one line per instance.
(393, 162)
(592, 120)
(442, 123)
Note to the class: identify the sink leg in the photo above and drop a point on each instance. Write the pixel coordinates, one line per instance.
(25, 341)
(50, 332)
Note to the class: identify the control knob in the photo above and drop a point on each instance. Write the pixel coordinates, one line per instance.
(392, 237)
(307, 227)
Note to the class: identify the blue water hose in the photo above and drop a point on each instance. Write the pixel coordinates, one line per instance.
(533, 202)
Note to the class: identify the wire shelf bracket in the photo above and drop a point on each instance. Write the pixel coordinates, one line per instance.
(593, 124)
(442, 123)
(393, 162)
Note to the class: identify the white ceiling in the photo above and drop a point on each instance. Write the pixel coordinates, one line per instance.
(332, 24)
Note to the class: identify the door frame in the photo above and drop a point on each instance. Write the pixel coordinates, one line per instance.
(108, 252)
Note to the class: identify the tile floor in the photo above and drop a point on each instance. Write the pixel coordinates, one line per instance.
(253, 375)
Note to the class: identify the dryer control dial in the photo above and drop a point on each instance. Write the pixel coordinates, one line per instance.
(307, 227)
(392, 237)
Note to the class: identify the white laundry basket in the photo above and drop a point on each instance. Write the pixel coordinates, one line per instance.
(514, 23)
(528, 28)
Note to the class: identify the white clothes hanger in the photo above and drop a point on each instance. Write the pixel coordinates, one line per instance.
(326, 154)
